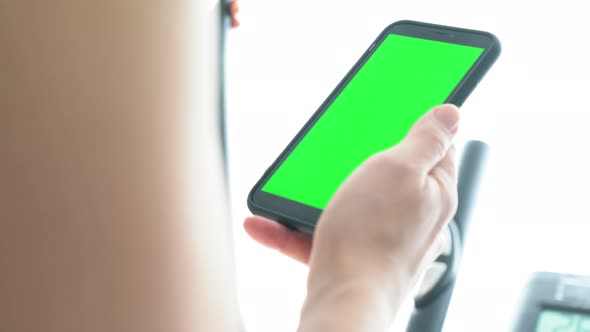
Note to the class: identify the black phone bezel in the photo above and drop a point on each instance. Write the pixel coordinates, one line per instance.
(303, 218)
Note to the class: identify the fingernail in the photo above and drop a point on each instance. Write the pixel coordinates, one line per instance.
(448, 115)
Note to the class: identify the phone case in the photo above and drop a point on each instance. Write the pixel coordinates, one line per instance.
(457, 98)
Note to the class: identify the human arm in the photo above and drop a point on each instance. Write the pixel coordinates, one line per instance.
(103, 226)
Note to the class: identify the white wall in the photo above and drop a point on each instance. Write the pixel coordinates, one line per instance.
(531, 108)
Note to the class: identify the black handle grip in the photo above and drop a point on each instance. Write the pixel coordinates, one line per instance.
(432, 317)
(475, 156)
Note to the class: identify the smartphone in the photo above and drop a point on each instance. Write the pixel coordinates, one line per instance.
(410, 68)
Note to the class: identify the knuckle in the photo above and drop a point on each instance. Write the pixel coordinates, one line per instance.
(446, 197)
(450, 200)
(436, 139)
(438, 145)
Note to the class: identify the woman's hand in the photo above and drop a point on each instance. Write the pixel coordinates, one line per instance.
(382, 228)
(379, 232)
(271, 234)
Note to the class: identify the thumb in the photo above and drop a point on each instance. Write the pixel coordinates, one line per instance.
(429, 139)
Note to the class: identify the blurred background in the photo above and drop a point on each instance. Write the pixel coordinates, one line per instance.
(531, 109)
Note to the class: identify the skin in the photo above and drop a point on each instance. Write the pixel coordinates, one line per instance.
(379, 232)
(106, 203)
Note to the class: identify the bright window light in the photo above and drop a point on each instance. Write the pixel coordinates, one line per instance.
(531, 109)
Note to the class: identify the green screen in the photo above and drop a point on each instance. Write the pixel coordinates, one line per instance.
(561, 321)
(400, 82)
